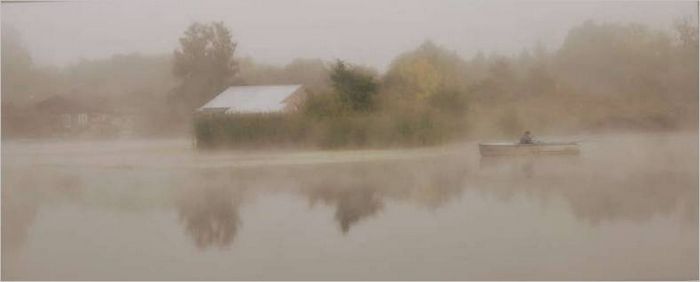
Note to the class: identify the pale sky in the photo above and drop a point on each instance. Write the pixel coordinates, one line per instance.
(367, 32)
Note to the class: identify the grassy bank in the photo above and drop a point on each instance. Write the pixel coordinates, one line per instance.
(373, 130)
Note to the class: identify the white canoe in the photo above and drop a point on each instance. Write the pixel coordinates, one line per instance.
(515, 149)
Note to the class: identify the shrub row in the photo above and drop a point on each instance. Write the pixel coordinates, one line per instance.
(361, 130)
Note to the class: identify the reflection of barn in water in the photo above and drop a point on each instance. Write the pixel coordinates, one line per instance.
(209, 203)
(209, 200)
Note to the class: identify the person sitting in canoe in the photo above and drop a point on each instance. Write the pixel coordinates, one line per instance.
(527, 138)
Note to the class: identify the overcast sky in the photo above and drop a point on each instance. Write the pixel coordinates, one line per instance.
(368, 32)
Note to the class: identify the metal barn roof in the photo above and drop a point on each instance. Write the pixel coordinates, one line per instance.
(251, 99)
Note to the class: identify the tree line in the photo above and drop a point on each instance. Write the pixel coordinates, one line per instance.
(604, 76)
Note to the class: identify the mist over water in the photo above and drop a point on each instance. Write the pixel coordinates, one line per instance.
(339, 140)
(625, 208)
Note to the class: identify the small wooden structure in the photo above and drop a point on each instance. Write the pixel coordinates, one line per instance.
(250, 116)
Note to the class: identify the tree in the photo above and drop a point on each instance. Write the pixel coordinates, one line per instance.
(204, 64)
(423, 72)
(683, 74)
(355, 87)
(17, 66)
(615, 59)
(687, 32)
(312, 73)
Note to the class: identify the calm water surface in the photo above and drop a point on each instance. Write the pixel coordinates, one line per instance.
(626, 208)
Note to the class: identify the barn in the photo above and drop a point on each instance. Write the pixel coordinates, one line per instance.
(256, 99)
(250, 116)
(59, 115)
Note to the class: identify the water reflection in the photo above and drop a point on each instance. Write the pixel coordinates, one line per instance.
(352, 203)
(21, 201)
(513, 167)
(603, 185)
(23, 195)
(209, 211)
(359, 190)
(209, 200)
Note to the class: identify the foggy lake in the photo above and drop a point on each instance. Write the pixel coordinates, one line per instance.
(625, 208)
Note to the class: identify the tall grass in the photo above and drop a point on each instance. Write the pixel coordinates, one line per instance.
(359, 130)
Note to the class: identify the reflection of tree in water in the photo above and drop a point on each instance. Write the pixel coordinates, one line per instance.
(353, 203)
(209, 206)
(435, 183)
(358, 190)
(210, 214)
(23, 194)
(356, 205)
(598, 189)
(637, 197)
(18, 213)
